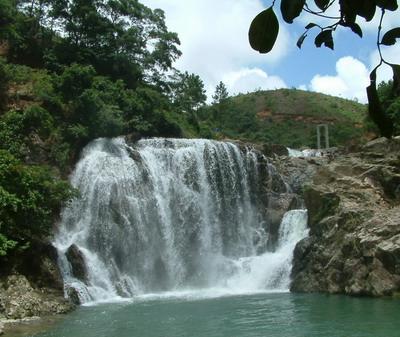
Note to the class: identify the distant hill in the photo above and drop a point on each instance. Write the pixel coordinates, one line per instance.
(286, 116)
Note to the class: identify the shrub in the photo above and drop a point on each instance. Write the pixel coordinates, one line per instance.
(30, 198)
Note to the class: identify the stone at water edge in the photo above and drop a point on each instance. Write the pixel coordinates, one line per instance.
(1, 328)
(73, 296)
(77, 261)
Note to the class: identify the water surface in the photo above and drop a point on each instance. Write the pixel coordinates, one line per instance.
(278, 315)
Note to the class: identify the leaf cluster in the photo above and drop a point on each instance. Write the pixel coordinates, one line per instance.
(30, 197)
(264, 29)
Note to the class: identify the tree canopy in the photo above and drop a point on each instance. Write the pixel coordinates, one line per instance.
(119, 38)
(220, 94)
(264, 29)
(72, 71)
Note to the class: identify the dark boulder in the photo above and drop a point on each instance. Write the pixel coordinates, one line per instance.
(77, 261)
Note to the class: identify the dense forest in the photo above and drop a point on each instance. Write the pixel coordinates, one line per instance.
(73, 70)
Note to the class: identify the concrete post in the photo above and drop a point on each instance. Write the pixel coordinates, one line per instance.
(326, 134)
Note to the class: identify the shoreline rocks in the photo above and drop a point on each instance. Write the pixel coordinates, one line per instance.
(31, 286)
(20, 299)
(354, 220)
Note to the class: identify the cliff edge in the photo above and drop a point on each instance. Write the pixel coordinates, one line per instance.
(353, 202)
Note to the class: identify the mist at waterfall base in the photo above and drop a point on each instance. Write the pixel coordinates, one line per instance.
(173, 216)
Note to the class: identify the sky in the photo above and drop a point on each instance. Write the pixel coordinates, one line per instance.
(214, 45)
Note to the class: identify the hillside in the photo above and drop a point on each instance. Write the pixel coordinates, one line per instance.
(288, 117)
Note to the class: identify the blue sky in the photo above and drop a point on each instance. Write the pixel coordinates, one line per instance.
(214, 43)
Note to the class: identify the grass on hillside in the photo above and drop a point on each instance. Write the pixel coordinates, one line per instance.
(286, 116)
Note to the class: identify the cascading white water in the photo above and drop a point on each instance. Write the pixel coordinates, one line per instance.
(171, 214)
(304, 153)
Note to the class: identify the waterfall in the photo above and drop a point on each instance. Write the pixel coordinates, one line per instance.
(171, 214)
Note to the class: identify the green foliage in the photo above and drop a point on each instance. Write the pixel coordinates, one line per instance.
(286, 116)
(77, 70)
(4, 79)
(30, 196)
(390, 103)
(11, 133)
(188, 92)
(6, 245)
(111, 35)
(221, 93)
(74, 80)
(7, 17)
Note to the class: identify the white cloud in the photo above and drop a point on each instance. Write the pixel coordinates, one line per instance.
(248, 80)
(214, 37)
(350, 81)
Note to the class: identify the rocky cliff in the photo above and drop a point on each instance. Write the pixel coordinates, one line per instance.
(31, 286)
(354, 218)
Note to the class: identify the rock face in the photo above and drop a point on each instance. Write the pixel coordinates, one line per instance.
(354, 219)
(77, 261)
(20, 299)
(32, 286)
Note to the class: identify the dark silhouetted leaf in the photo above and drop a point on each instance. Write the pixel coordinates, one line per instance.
(375, 111)
(264, 31)
(390, 37)
(311, 25)
(365, 8)
(322, 4)
(291, 9)
(351, 8)
(324, 38)
(356, 29)
(301, 40)
(372, 75)
(391, 5)
(349, 11)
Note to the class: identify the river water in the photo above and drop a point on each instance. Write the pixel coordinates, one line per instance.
(275, 315)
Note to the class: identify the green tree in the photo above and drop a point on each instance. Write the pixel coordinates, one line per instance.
(188, 92)
(220, 94)
(390, 103)
(220, 101)
(30, 197)
(7, 15)
(4, 79)
(265, 27)
(121, 38)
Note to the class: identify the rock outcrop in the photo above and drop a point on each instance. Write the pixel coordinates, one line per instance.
(31, 286)
(77, 261)
(19, 299)
(354, 218)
